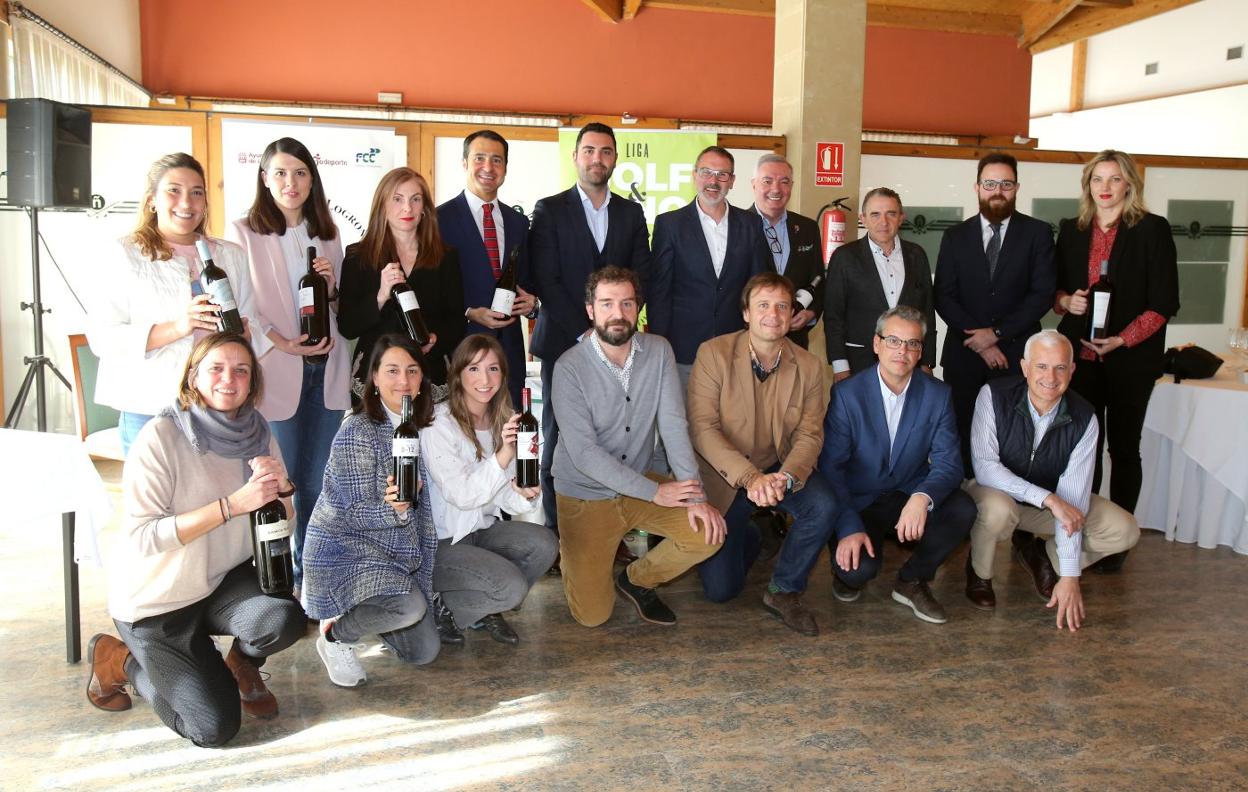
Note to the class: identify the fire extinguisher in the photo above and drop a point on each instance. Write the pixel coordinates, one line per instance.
(832, 227)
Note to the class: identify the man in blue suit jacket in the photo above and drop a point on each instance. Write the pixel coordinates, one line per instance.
(995, 279)
(464, 225)
(703, 255)
(890, 453)
(574, 233)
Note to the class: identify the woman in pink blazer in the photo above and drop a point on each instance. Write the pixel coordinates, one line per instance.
(307, 388)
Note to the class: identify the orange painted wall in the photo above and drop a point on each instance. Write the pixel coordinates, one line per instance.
(553, 56)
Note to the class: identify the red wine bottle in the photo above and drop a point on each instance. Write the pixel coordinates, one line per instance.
(270, 548)
(406, 454)
(217, 284)
(505, 288)
(313, 307)
(528, 436)
(409, 307)
(1099, 295)
(804, 297)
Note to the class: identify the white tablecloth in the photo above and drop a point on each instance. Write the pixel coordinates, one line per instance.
(45, 475)
(1195, 454)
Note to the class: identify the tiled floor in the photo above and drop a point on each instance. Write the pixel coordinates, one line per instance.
(1151, 695)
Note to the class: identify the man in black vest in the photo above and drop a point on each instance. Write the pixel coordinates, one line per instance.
(1034, 447)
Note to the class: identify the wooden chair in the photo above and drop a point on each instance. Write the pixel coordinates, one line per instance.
(97, 423)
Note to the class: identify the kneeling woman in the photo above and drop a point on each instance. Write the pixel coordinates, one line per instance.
(486, 564)
(182, 571)
(368, 560)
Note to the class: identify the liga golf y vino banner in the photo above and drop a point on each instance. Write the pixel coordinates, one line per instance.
(351, 160)
(655, 166)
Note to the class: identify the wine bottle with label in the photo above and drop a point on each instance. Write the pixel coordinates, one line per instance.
(217, 284)
(528, 438)
(804, 297)
(1099, 296)
(313, 307)
(505, 288)
(406, 454)
(270, 548)
(409, 307)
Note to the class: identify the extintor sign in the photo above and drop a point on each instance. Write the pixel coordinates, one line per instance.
(829, 164)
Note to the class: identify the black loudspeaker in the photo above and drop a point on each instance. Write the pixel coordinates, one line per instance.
(49, 154)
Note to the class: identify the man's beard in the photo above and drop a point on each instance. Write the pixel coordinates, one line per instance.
(998, 213)
(615, 333)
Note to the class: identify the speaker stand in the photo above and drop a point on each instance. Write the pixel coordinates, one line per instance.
(37, 362)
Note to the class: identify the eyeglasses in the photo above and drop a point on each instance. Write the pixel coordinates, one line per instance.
(1006, 185)
(717, 175)
(893, 342)
(773, 239)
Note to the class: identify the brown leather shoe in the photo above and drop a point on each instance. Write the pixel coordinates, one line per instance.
(916, 595)
(788, 608)
(979, 590)
(257, 701)
(106, 682)
(1036, 561)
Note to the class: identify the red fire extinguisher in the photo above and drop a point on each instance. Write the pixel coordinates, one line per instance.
(832, 227)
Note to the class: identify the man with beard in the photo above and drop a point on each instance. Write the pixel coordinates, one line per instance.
(703, 254)
(756, 407)
(613, 393)
(995, 279)
(792, 238)
(574, 233)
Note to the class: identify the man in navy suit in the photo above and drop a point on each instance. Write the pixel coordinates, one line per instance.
(703, 255)
(890, 453)
(995, 279)
(576, 232)
(486, 232)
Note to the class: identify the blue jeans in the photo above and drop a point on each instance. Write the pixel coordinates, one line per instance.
(814, 509)
(491, 570)
(129, 427)
(305, 439)
(399, 620)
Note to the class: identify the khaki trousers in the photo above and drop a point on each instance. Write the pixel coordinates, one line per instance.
(1107, 529)
(591, 530)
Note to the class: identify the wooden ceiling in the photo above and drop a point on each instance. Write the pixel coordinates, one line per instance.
(1038, 25)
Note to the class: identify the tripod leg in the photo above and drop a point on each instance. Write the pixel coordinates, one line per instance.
(60, 376)
(15, 412)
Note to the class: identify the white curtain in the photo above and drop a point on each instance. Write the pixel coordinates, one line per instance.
(45, 65)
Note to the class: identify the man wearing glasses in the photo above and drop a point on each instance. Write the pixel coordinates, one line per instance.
(792, 238)
(995, 279)
(890, 454)
(703, 255)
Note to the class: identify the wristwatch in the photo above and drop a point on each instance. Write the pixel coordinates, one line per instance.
(792, 482)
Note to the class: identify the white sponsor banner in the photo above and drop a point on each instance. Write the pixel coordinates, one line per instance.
(351, 160)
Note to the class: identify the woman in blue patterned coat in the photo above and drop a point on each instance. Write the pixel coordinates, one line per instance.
(368, 561)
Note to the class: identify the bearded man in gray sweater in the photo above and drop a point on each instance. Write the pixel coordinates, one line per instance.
(613, 392)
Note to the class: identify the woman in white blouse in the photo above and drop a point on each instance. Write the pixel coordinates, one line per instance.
(485, 563)
(149, 306)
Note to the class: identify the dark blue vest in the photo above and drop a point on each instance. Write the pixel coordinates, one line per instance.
(1015, 432)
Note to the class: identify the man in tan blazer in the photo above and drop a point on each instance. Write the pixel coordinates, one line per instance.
(756, 405)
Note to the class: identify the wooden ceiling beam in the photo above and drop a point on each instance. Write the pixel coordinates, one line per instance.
(608, 10)
(1040, 18)
(903, 16)
(1087, 22)
(745, 7)
(631, 7)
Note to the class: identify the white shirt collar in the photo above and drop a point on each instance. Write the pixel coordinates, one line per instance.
(707, 218)
(887, 391)
(589, 204)
(475, 203)
(878, 249)
(986, 226)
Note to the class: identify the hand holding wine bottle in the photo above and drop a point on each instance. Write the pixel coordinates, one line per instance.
(314, 311)
(217, 284)
(392, 497)
(267, 477)
(201, 314)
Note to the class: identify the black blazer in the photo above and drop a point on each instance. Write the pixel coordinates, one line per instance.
(855, 297)
(805, 262)
(1020, 293)
(562, 254)
(438, 289)
(686, 303)
(1143, 266)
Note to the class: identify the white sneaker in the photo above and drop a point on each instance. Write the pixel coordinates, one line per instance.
(340, 661)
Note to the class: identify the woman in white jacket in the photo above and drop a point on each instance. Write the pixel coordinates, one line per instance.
(485, 563)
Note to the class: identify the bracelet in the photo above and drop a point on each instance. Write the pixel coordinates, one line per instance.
(221, 509)
(229, 515)
(288, 492)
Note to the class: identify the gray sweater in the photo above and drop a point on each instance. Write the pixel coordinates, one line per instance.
(606, 437)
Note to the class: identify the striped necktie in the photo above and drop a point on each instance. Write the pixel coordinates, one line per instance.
(490, 235)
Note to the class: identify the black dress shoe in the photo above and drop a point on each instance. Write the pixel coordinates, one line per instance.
(1110, 564)
(554, 570)
(843, 591)
(649, 606)
(498, 628)
(448, 632)
(1034, 558)
(979, 590)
